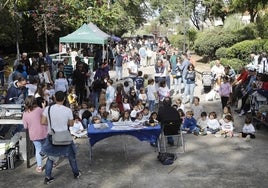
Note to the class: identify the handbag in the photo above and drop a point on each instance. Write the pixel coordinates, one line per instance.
(60, 137)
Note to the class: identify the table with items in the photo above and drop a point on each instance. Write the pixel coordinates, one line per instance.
(98, 132)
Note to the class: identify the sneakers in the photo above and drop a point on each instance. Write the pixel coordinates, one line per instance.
(39, 169)
(242, 113)
(48, 180)
(247, 138)
(77, 176)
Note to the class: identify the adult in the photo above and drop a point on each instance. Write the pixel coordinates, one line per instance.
(44, 74)
(168, 113)
(79, 81)
(60, 117)
(263, 64)
(118, 65)
(217, 72)
(190, 77)
(184, 67)
(132, 69)
(177, 76)
(110, 94)
(143, 56)
(68, 70)
(37, 132)
(160, 71)
(16, 92)
(61, 84)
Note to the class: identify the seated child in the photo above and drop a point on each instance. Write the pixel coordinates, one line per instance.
(182, 115)
(227, 126)
(202, 123)
(114, 112)
(86, 118)
(125, 116)
(77, 129)
(226, 111)
(189, 124)
(153, 119)
(146, 114)
(139, 117)
(134, 112)
(213, 123)
(248, 130)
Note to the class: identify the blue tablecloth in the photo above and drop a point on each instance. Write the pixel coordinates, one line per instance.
(150, 134)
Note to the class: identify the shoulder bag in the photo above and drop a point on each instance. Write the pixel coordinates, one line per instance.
(60, 137)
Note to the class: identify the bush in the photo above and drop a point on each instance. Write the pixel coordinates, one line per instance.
(222, 52)
(265, 46)
(235, 63)
(243, 49)
(176, 41)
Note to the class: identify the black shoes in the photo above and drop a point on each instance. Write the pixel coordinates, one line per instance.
(77, 176)
(48, 180)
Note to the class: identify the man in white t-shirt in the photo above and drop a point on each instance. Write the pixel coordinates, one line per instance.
(132, 69)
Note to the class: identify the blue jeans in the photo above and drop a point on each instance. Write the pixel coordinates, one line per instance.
(95, 99)
(38, 145)
(151, 105)
(189, 90)
(119, 72)
(72, 162)
(168, 81)
(177, 85)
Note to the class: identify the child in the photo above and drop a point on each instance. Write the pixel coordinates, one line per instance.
(32, 86)
(248, 130)
(189, 124)
(226, 111)
(72, 98)
(96, 120)
(213, 123)
(92, 109)
(139, 81)
(110, 94)
(225, 91)
(139, 117)
(145, 77)
(134, 112)
(227, 126)
(126, 105)
(77, 129)
(153, 119)
(151, 94)
(83, 108)
(140, 105)
(180, 104)
(86, 118)
(202, 123)
(146, 113)
(197, 108)
(125, 116)
(114, 113)
(143, 96)
(182, 115)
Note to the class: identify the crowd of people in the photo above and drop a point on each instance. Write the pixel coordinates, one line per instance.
(87, 97)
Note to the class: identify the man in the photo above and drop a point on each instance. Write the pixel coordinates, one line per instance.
(143, 56)
(132, 69)
(118, 66)
(16, 92)
(168, 113)
(79, 81)
(59, 117)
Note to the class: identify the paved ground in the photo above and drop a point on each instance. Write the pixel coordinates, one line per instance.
(125, 162)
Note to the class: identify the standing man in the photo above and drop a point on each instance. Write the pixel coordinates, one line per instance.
(168, 113)
(143, 56)
(185, 64)
(132, 69)
(60, 117)
(118, 66)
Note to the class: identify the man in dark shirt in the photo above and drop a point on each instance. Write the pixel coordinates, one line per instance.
(168, 113)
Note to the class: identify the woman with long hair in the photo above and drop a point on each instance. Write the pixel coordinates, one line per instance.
(37, 132)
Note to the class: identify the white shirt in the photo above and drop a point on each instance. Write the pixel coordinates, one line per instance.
(248, 128)
(151, 91)
(31, 89)
(227, 126)
(110, 94)
(61, 84)
(213, 124)
(133, 68)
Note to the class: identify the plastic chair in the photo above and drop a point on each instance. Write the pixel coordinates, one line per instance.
(171, 128)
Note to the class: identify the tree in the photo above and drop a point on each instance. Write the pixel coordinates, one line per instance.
(252, 6)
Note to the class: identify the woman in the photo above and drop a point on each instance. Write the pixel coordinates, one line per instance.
(190, 77)
(177, 76)
(37, 132)
(44, 75)
(61, 84)
(41, 95)
(163, 92)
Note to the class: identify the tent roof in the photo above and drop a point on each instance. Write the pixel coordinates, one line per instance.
(85, 34)
(94, 28)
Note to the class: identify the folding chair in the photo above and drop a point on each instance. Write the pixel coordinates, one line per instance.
(171, 128)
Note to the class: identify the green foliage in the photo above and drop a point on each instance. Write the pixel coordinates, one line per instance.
(221, 52)
(233, 23)
(262, 25)
(243, 49)
(248, 32)
(265, 46)
(209, 41)
(176, 41)
(235, 63)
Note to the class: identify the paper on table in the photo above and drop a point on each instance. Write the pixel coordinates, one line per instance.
(101, 126)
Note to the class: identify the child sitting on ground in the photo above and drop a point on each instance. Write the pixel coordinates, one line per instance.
(202, 123)
(189, 124)
(227, 126)
(77, 129)
(248, 130)
(213, 123)
(125, 116)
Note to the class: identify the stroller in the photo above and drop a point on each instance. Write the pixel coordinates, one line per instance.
(207, 81)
